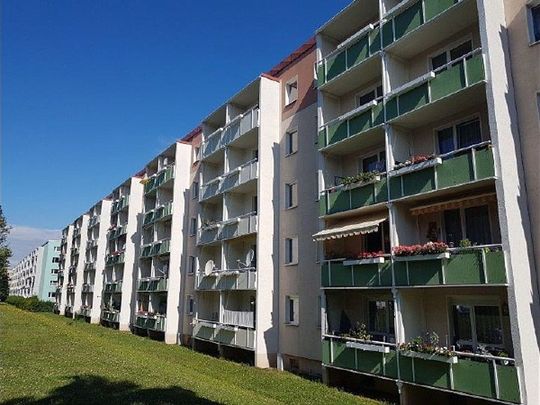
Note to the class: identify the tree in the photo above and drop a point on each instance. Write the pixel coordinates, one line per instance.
(5, 254)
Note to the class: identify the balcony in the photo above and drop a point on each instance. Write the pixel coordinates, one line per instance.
(74, 250)
(93, 221)
(231, 180)
(362, 125)
(229, 229)
(484, 376)
(439, 93)
(158, 180)
(76, 232)
(242, 279)
(454, 169)
(343, 198)
(239, 126)
(160, 213)
(152, 322)
(229, 335)
(374, 358)
(413, 27)
(365, 273)
(87, 288)
(70, 289)
(91, 244)
(85, 311)
(89, 266)
(119, 204)
(155, 249)
(114, 258)
(353, 61)
(113, 287)
(110, 316)
(116, 232)
(152, 284)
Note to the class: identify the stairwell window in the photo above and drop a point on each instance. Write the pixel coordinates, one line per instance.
(195, 190)
(193, 226)
(190, 305)
(291, 142)
(192, 265)
(291, 195)
(291, 251)
(291, 91)
(534, 21)
(292, 310)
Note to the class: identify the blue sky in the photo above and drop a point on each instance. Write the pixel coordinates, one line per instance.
(93, 89)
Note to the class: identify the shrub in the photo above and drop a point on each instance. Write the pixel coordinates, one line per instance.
(32, 304)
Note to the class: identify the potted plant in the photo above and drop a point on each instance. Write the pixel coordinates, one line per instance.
(427, 348)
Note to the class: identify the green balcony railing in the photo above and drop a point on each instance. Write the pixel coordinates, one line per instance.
(113, 287)
(151, 284)
(93, 221)
(242, 337)
(457, 75)
(150, 322)
(156, 249)
(411, 18)
(353, 124)
(346, 198)
(454, 169)
(158, 214)
(119, 204)
(113, 259)
(466, 266)
(110, 316)
(484, 376)
(117, 232)
(156, 181)
(357, 273)
(245, 279)
(355, 50)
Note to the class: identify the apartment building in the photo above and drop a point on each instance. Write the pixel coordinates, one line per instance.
(426, 295)
(362, 212)
(37, 273)
(122, 254)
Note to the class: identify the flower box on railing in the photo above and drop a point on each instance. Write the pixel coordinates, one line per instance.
(369, 347)
(416, 167)
(420, 257)
(359, 262)
(430, 356)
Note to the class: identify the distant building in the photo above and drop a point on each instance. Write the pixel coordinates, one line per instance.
(37, 273)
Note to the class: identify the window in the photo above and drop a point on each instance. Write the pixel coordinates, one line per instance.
(190, 305)
(534, 23)
(291, 142)
(291, 250)
(476, 325)
(291, 310)
(373, 163)
(192, 265)
(370, 95)
(451, 54)
(254, 204)
(291, 91)
(196, 151)
(319, 313)
(56, 260)
(461, 135)
(193, 226)
(195, 190)
(381, 319)
(470, 223)
(291, 195)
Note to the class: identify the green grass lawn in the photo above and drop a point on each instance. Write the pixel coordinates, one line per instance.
(46, 358)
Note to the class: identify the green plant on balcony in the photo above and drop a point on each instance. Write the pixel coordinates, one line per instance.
(359, 331)
(363, 177)
(413, 160)
(428, 344)
(430, 248)
(465, 243)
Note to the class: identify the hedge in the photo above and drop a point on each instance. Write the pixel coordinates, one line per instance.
(32, 304)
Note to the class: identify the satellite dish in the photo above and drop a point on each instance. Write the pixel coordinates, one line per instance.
(209, 267)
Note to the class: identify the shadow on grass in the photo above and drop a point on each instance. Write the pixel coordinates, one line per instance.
(91, 389)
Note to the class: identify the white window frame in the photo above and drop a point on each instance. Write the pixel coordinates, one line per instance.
(530, 22)
(293, 258)
(463, 223)
(293, 135)
(288, 85)
(291, 195)
(196, 152)
(365, 91)
(447, 48)
(293, 300)
(454, 124)
(360, 159)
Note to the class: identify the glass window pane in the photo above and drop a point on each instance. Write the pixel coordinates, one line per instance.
(462, 323)
(370, 163)
(461, 50)
(468, 133)
(446, 140)
(488, 325)
(477, 225)
(366, 98)
(535, 11)
(452, 226)
(438, 61)
(378, 316)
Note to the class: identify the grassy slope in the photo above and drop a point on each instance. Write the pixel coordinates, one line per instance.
(46, 358)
